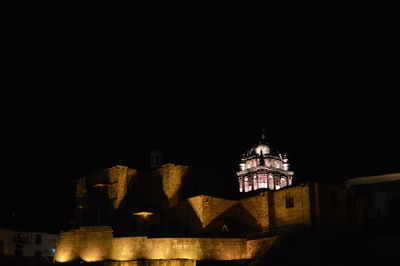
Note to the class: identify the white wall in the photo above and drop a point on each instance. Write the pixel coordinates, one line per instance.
(28, 245)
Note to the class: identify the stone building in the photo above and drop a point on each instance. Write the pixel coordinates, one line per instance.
(171, 212)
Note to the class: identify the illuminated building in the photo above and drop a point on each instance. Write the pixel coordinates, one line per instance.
(261, 169)
(164, 216)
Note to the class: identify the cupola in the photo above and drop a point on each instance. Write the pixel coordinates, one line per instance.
(263, 168)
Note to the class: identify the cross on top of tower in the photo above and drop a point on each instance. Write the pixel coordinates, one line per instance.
(263, 136)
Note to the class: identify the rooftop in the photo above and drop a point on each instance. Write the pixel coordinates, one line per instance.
(372, 179)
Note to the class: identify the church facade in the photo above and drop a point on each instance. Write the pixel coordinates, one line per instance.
(160, 215)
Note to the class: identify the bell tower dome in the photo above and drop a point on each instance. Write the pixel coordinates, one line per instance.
(263, 168)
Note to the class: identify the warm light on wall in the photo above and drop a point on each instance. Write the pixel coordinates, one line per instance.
(143, 214)
(64, 251)
(63, 258)
(91, 246)
(92, 253)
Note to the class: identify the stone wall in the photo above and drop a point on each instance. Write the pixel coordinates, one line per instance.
(96, 243)
(182, 262)
(271, 211)
(207, 208)
(284, 214)
(91, 243)
(258, 247)
(263, 212)
(331, 208)
(119, 177)
(257, 206)
(172, 176)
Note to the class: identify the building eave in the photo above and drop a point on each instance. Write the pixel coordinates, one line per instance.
(255, 169)
(373, 179)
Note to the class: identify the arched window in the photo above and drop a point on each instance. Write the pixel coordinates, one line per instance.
(283, 182)
(246, 184)
(262, 181)
(277, 181)
(271, 182)
(277, 164)
(255, 182)
(248, 164)
(289, 181)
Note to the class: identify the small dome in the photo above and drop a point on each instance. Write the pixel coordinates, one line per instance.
(262, 147)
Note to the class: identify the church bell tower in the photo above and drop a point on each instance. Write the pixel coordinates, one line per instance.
(263, 168)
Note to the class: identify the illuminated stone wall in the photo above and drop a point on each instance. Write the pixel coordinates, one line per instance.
(258, 247)
(114, 184)
(180, 262)
(257, 206)
(318, 206)
(91, 243)
(285, 215)
(270, 210)
(263, 212)
(207, 214)
(97, 244)
(207, 208)
(119, 177)
(172, 176)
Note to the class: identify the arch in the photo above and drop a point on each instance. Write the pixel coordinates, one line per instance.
(248, 164)
(255, 182)
(262, 180)
(246, 184)
(283, 182)
(241, 185)
(271, 184)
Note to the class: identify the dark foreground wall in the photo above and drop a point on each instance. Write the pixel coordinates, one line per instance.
(134, 263)
(334, 249)
(162, 263)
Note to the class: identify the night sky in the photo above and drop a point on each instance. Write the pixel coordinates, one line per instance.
(331, 106)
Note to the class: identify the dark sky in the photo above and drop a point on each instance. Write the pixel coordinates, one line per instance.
(72, 106)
